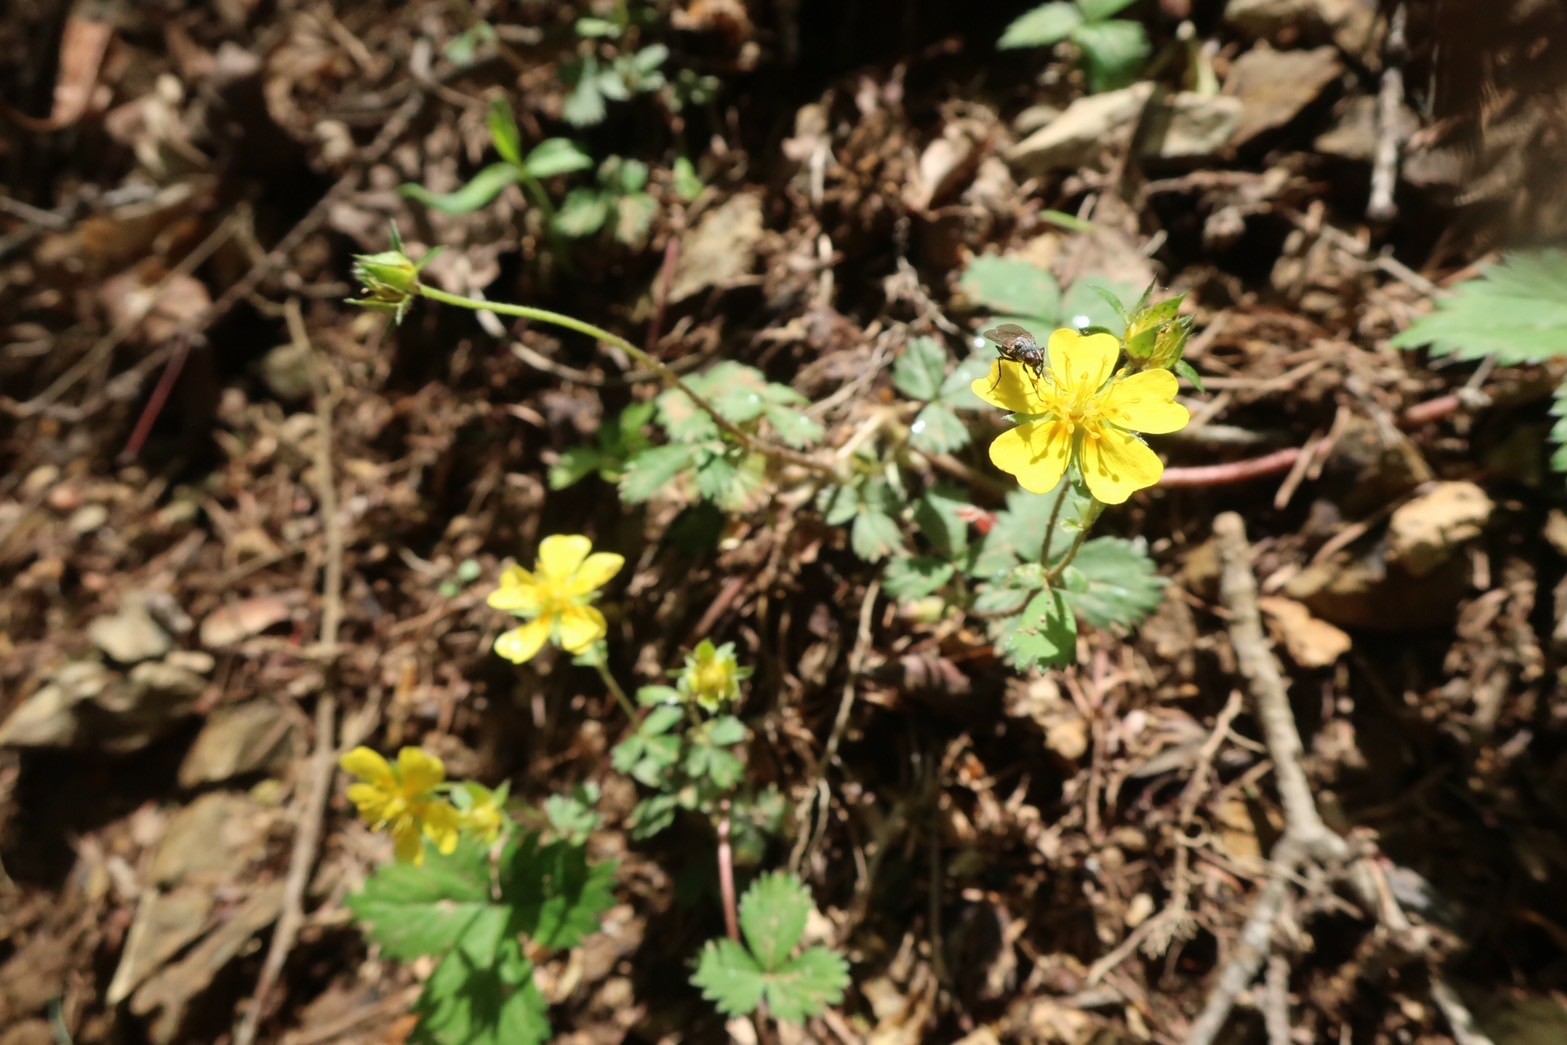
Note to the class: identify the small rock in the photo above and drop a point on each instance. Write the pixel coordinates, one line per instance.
(237, 741)
(131, 635)
(165, 923)
(285, 370)
(1082, 129)
(1350, 24)
(1311, 643)
(1364, 591)
(1188, 125)
(721, 250)
(214, 839)
(1427, 531)
(49, 717)
(1274, 86)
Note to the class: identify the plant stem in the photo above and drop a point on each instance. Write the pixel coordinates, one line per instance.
(1055, 517)
(614, 688)
(1089, 518)
(726, 872)
(560, 319)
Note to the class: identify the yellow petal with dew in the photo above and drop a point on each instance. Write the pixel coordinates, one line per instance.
(520, 645)
(421, 771)
(581, 627)
(408, 842)
(518, 593)
(1037, 452)
(1145, 402)
(1080, 363)
(561, 554)
(1012, 387)
(1117, 465)
(368, 766)
(595, 572)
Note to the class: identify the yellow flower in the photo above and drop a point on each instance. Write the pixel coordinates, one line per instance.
(712, 675)
(1077, 410)
(402, 800)
(484, 814)
(555, 598)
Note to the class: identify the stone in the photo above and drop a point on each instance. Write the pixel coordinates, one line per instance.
(1310, 642)
(131, 635)
(1428, 530)
(1348, 23)
(1080, 131)
(1274, 86)
(255, 737)
(721, 250)
(49, 717)
(1188, 125)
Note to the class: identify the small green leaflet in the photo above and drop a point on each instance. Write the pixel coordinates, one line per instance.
(1114, 52)
(1515, 310)
(874, 535)
(915, 577)
(654, 469)
(1112, 583)
(485, 186)
(1044, 635)
(1045, 25)
(773, 916)
(1012, 286)
(918, 373)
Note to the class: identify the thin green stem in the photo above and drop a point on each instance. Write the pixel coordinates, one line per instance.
(613, 686)
(1055, 517)
(1089, 518)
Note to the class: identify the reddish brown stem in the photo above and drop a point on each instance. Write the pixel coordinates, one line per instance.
(726, 874)
(1276, 463)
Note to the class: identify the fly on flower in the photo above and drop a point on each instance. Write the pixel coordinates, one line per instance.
(1017, 344)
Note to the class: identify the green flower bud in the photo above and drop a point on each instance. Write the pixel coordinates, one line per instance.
(390, 281)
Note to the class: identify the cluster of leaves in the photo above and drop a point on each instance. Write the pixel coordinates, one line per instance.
(551, 158)
(1514, 312)
(619, 201)
(485, 922)
(1112, 50)
(698, 457)
(740, 978)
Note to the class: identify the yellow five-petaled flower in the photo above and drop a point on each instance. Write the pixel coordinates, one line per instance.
(402, 800)
(1076, 409)
(555, 598)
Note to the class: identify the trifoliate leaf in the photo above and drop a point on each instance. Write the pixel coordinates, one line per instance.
(504, 133)
(555, 156)
(1002, 598)
(575, 816)
(1112, 583)
(1012, 286)
(729, 978)
(653, 470)
(1044, 635)
(1018, 534)
(1515, 311)
(937, 430)
(722, 768)
(413, 912)
(918, 373)
(804, 986)
(485, 186)
(874, 535)
(1045, 25)
(557, 898)
(1113, 52)
(915, 577)
(773, 913)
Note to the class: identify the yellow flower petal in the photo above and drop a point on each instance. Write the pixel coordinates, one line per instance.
(594, 573)
(1117, 465)
(1012, 387)
(421, 771)
(1036, 452)
(581, 627)
(518, 593)
(561, 554)
(1145, 402)
(368, 766)
(520, 645)
(1081, 363)
(442, 825)
(371, 802)
(408, 842)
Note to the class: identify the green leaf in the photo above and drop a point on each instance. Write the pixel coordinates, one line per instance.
(556, 156)
(1018, 535)
(773, 913)
(485, 186)
(939, 514)
(483, 999)
(653, 815)
(649, 58)
(574, 816)
(597, 28)
(726, 730)
(1043, 635)
(503, 131)
(688, 184)
(653, 470)
(918, 373)
(1114, 52)
(1044, 25)
(652, 696)
(584, 106)
(793, 427)
(1004, 597)
(634, 216)
(575, 465)
(937, 430)
(413, 912)
(839, 504)
(1087, 304)
(1099, 10)
(874, 535)
(915, 577)
(722, 768)
(1515, 310)
(729, 978)
(1012, 286)
(1182, 368)
(957, 392)
(1559, 429)
(582, 213)
(556, 897)
(1115, 583)
(803, 987)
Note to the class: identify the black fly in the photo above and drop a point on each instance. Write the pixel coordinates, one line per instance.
(1014, 343)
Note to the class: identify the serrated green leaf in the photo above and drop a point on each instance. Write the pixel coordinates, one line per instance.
(485, 186)
(575, 465)
(937, 430)
(597, 28)
(726, 730)
(1018, 534)
(557, 898)
(503, 131)
(661, 720)
(653, 470)
(956, 391)
(773, 913)
(1044, 635)
(413, 912)
(729, 977)
(715, 475)
(750, 478)
(1012, 286)
(479, 999)
(874, 535)
(582, 213)
(653, 815)
(723, 769)
(652, 696)
(1000, 599)
(1515, 310)
(793, 428)
(584, 106)
(650, 58)
(915, 577)
(918, 373)
(1114, 52)
(939, 515)
(1116, 585)
(1099, 10)
(574, 816)
(804, 986)
(1045, 25)
(839, 504)
(556, 156)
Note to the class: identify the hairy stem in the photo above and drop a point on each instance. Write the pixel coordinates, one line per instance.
(726, 872)
(613, 686)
